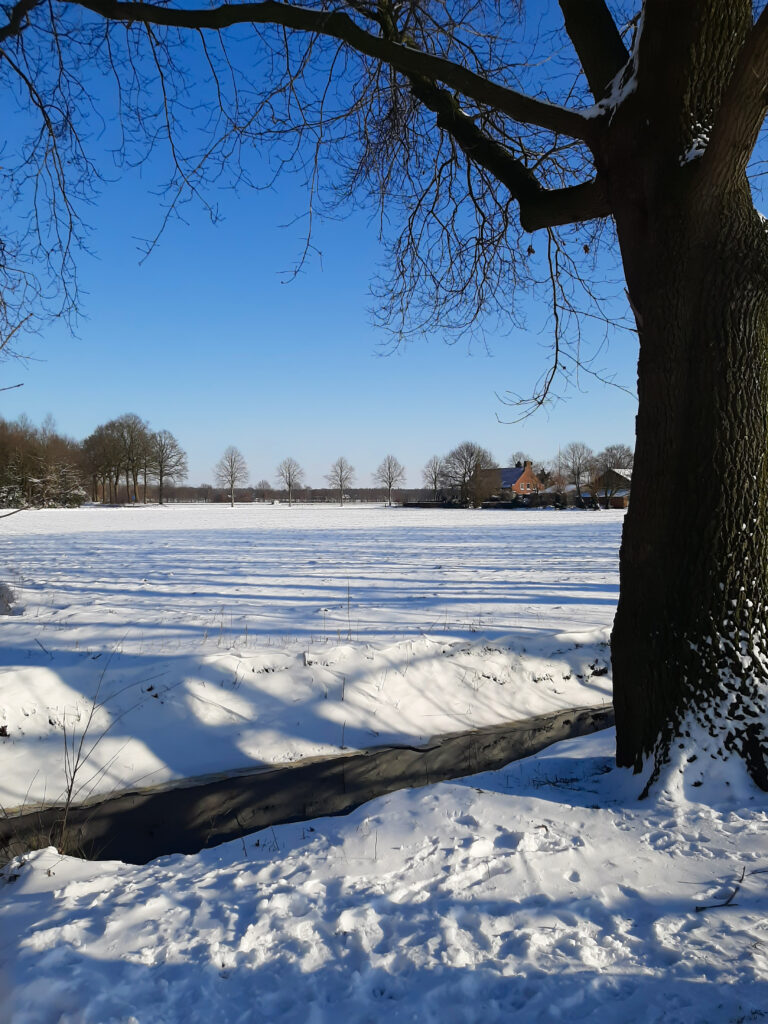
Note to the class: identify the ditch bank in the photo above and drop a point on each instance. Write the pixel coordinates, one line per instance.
(188, 816)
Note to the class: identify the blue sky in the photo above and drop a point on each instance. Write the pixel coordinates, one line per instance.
(205, 339)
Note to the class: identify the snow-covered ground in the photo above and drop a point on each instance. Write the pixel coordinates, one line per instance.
(208, 638)
(542, 892)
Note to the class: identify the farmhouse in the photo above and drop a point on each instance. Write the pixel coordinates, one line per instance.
(513, 482)
(520, 479)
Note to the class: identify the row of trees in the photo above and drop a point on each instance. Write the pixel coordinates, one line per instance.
(126, 460)
(232, 470)
(127, 447)
(455, 476)
(41, 467)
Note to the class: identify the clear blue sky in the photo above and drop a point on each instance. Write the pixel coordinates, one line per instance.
(205, 340)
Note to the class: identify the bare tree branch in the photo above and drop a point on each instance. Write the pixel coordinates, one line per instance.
(538, 207)
(459, 260)
(551, 208)
(338, 25)
(596, 40)
(16, 18)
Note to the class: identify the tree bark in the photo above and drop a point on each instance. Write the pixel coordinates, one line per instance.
(689, 639)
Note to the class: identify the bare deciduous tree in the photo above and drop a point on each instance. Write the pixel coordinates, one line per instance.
(102, 454)
(617, 456)
(461, 466)
(231, 470)
(576, 459)
(610, 469)
(389, 474)
(168, 460)
(433, 474)
(134, 436)
(291, 475)
(341, 476)
(521, 457)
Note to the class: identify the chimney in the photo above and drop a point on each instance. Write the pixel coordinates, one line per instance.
(527, 464)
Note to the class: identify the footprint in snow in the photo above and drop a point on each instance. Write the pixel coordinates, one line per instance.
(468, 820)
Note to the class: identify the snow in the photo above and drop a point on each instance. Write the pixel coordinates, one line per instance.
(625, 82)
(546, 891)
(542, 892)
(204, 638)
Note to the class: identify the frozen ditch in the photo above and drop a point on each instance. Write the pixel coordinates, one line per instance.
(186, 817)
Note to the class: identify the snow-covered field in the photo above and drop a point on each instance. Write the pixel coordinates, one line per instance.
(209, 638)
(542, 892)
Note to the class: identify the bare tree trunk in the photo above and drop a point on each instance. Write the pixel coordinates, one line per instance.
(689, 640)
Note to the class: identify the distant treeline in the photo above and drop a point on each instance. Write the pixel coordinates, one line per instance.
(122, 460)
(127, 461)
(38, 466)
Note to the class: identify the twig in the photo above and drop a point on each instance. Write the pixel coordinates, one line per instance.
(727, 903)
(44, 649)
